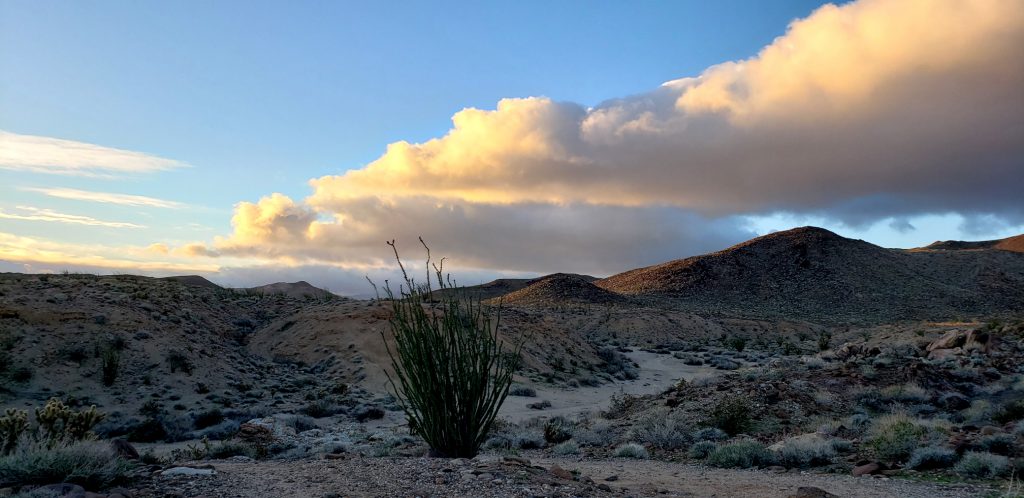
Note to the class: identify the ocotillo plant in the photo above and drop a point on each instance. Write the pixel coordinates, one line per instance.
(451, 373)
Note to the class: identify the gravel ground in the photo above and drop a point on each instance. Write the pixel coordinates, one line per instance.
(409, 477)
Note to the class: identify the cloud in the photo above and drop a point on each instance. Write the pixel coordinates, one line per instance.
(49, 155)
(48, 215)
(44, 254)
(106, 197)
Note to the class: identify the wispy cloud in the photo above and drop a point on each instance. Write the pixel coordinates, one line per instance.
(67, 157)
(39, 214)
(106, 197)
(37, 251)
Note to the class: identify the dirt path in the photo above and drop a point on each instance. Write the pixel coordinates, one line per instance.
(651, 478)
(656, 373)
(492, 477)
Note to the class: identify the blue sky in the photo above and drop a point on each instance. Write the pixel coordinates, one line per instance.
(252, 98)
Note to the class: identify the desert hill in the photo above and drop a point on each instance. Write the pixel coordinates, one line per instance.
(1013, 244)
(300, 289)
(194, 280)
(561, 289)
(813, 274)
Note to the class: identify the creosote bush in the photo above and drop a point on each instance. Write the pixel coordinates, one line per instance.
(976, 465)
(895, 436)
(741, 455)
(732, 415)
(662, 429)
(931, 457)
(451, 373)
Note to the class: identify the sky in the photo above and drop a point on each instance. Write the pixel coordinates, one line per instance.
(253, 142)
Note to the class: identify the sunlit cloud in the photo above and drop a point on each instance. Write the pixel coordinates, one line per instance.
(50, 155)
(49, 215)
(38, 251)
(106, 197)
(862, 113)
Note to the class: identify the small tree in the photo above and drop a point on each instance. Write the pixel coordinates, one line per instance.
(451, 373)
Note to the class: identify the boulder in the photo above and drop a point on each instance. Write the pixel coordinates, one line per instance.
(949, 340)
(869, 468)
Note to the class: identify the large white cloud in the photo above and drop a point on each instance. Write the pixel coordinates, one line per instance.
(862, 112)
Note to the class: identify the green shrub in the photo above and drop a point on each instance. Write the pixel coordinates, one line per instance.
(806, 452)
(451, 373)
(975, 465)
(701, 449)
(321, 408)
(208, 418)
(522, 391)
(931, 457)
(893, 437)
(661, 429)
(732, 415)
(21, 375)
(741, 455)
(557, 430)
(1001, 444)
(13, 427)
(709, 434)
(90, 465)
(177, 360)
(1010, 413)
(566, 448)
(631, 450)
(111, 363)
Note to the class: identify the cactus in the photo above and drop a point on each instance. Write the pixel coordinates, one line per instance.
(60, 425)
(451, 373)
(13, 425)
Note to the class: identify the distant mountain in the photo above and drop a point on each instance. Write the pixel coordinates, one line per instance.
(490, 290)
(813, 274)
(300, 289)
(194, 280)
(1013, 244)
(560, 289)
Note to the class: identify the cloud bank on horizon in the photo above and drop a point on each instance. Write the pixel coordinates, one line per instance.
(872, 111)
(863, 112)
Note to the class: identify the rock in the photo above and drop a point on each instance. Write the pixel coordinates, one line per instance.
(604, 487)
(811, 492)
(63, 490)
(188, 471)
(560, 473)
(612, 478)
(868, 469)
(949, 340)
(989, 430)
(124, 449)
(334, 456)
(120, 493)
(943, 354)
(978, 340)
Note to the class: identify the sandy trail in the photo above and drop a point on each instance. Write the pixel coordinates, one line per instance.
(657, 372)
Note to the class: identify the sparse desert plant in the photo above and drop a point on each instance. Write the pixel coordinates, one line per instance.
(931, 457)
(451, 372)
(980, 411)
(661, 429)
(1000, 444)
(905, 393)
(710, 434)
(111, 364)
(13, 427)
(631, 450)
(321, 408)
(741, 455)
(178, 360)
(893, 437)
(806, 452)
(701, 449)
(732, 415)
(976, 465)
(208, 418)
(1010, 412)
(619, 404)
(598, 434)
(91, 465)
(566, 448)
(522, 391)
(557, 430)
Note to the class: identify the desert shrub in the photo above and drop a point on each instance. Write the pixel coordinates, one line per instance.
(220, 431)
(566, 448)
(21, 375)
(91, 465)
(617, 364)
(300, 423)
(740, 455)
(736, 342)
(975, 465)
(905, 393)
(111, 363)
(893, 437)
(710, 434)
(597, 434)
(451, 373)
(1010, 412)
(1001, 444)
(631, 450)
(366, 413)
(321, 408)
(177, 360)
(732, 415)
(13, 426)
(522, 391)
(701, 449)
(931, 457)
(208, 418)
(661, 429)
(806, 452)
(980, 411)
(619, 404)
(230, 449)
(557, 430)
